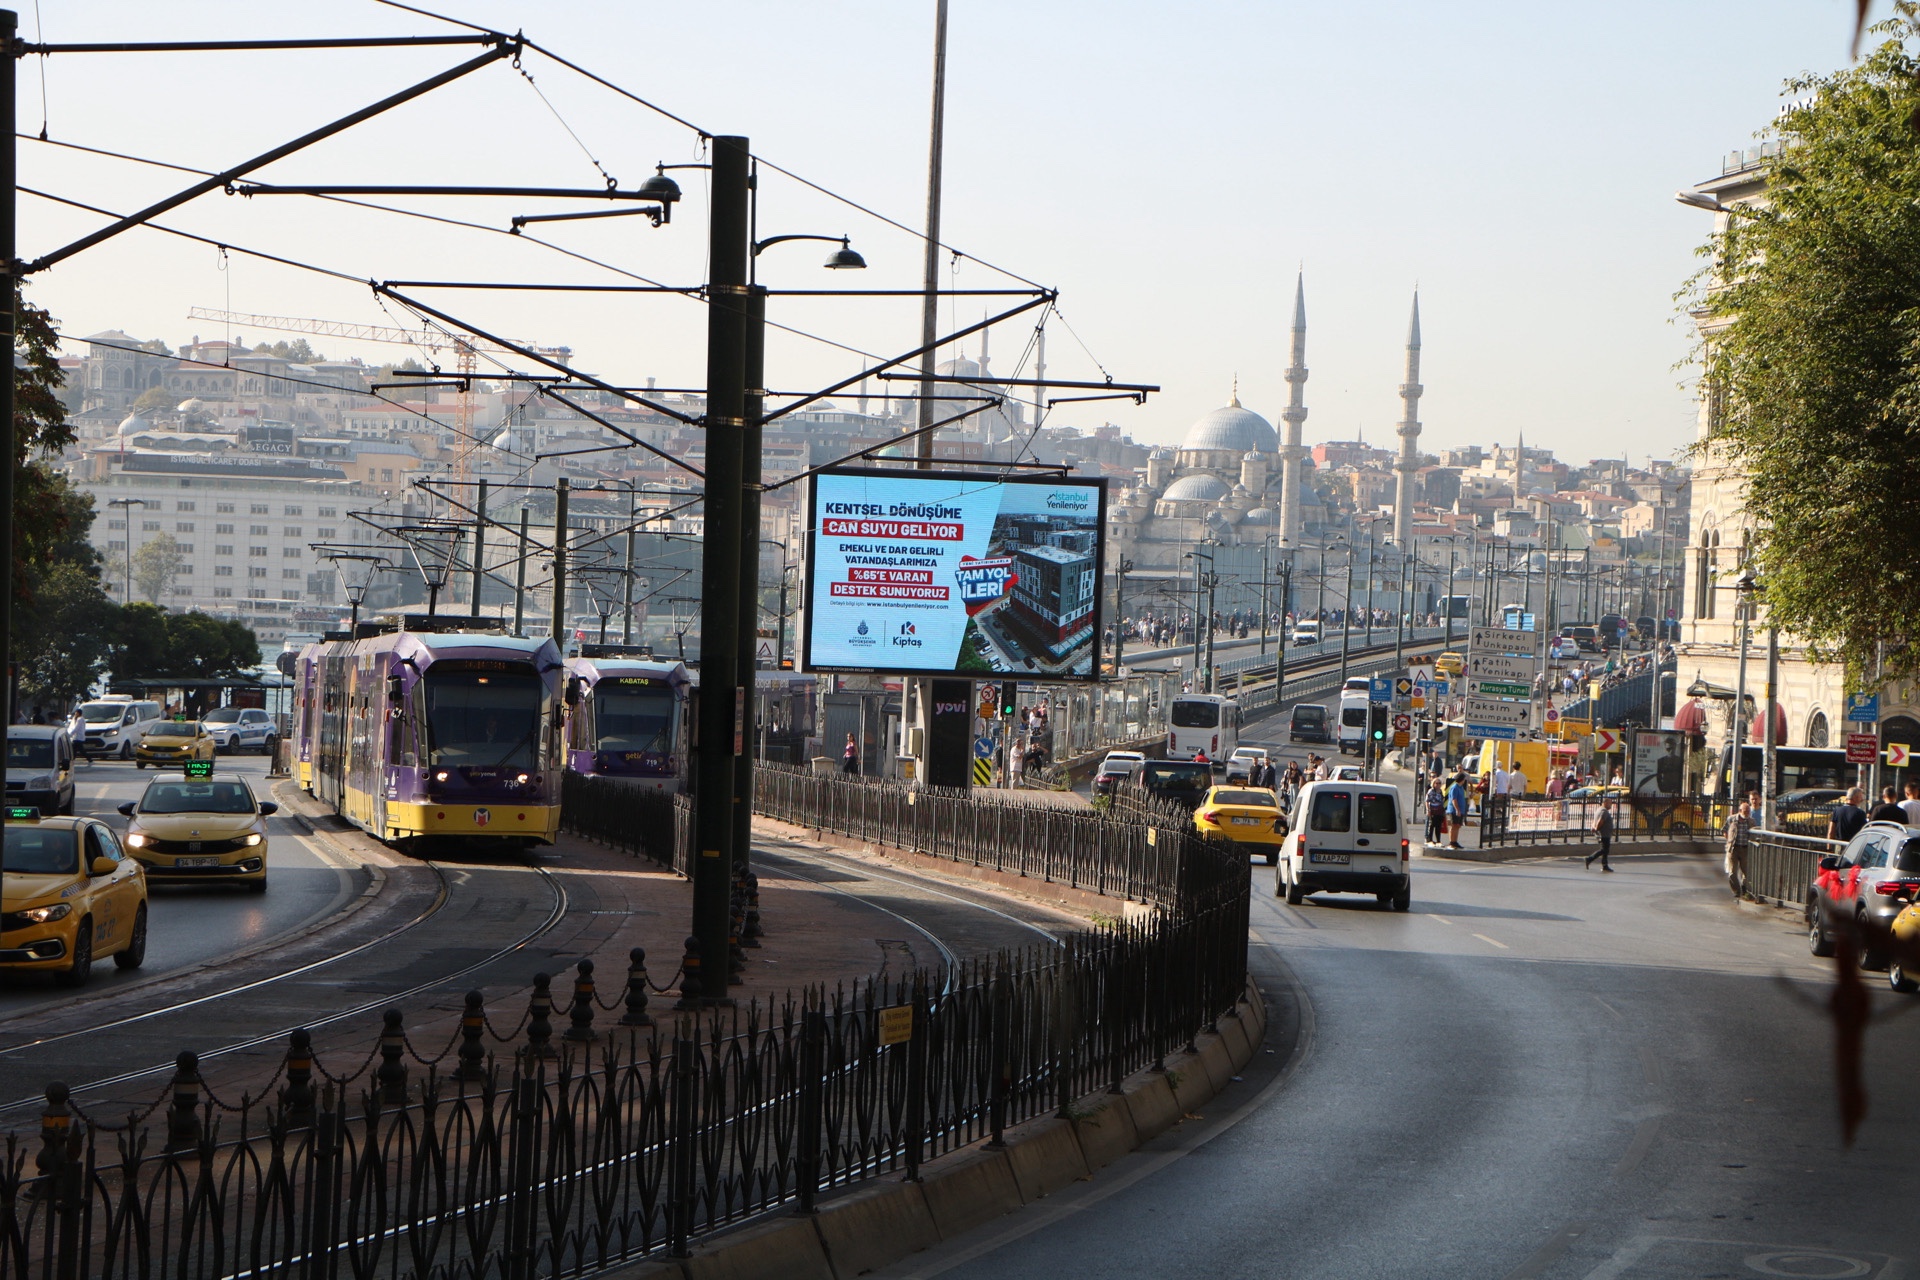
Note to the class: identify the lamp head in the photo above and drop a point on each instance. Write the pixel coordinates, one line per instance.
(844, 258)
(662, 188)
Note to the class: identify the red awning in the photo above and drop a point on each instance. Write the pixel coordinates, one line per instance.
(1691, 718)
(1779, 726)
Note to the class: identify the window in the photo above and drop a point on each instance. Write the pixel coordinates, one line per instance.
(290, 531)
(259, 509)
(326, 532)
(1332, 811)
(116, 546)
(291, 575)
(329, 513)
(1379, 815)
(116, 524)
(223, 571)
(223, 593)
(223, 528)
(223, 508)
(183, 506)
(257, 530)
(183, 590)
(293, 511)
(256, 571)
(290, 553)
(256, 551)
(223, 548)
(183, 526)
(1196, 715)
(386, 473)
(291, 595)
(186, 549)
(149, 526)
(256, 593)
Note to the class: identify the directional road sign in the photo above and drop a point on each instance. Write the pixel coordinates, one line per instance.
(1898, 755)
(1606, 740)
(1500, 666)
(1861, 747)
(1493, 711)
(1500, 640)
(983, 748)
(1440, 688)
(1501, 688)
(1863, 708)
(1380, 689)
(1504, 732)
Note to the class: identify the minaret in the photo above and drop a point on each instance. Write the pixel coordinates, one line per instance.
(1409, 428)
(1520, 470)
(1296, 413)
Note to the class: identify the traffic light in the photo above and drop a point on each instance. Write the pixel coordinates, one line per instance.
(1007, 692)
(1377, 723)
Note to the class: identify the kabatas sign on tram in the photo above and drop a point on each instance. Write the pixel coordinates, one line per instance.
(630, 680)
(477, 664)
(955, 574)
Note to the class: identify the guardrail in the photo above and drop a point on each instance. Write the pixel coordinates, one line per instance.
(1506, 820)
(548, 1152)
(1781, 866)
(626, 815)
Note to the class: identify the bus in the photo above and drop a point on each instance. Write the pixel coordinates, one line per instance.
(1795, 769)
(1200, 722)
(1459, 608)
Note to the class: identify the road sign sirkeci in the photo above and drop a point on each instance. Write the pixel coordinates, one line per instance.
(1861, 747)
(1898, 755)
(1501, 640)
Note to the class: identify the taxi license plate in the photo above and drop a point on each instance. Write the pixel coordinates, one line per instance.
(213, 862)
(1329, 859)
(1246, 822)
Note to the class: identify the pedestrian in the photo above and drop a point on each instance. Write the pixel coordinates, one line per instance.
(850, 757)
(1603, 831)
(1556, 785)
(1739, 828)
(1848, 816)
(1456, 810)
(1436, 812)
(1912, 803)
(1518, 782)
(1888, 810)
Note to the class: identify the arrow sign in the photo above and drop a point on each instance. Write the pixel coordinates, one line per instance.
(1493, 711)
(1495, 666)
(1898, 755)
(1501, 640)
(1606, 740)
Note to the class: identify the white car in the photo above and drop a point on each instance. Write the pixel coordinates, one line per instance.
(1563, 649)
(241, 729)
(1305, 633)
(1240, 763)
(1128, 762)
(1347, 837)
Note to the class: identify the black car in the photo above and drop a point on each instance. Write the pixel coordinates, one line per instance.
(1181, 782)
(1309, 723)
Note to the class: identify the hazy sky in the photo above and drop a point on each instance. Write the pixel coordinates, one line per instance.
(1166, 166)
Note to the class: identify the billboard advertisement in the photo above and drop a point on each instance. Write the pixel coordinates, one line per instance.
(946, 574)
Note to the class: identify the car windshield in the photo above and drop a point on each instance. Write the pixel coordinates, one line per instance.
(1196, 715)
(197, 797)
(175, 729)
(225, 715)
(42, 851)
(96, 712)
(29, 753)
(633, 719)
(487, 720)
(1260, 799)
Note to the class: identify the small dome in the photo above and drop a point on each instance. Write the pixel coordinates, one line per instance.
(134, 424)
(1261, 515)
(1162, 453)
(1197, 488)
(960, 368)
(1238, 429)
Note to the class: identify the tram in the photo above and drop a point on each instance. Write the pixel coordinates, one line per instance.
(305, 734)
(423, 734)
(627, 717)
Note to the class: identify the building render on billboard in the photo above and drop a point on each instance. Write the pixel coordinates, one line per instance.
(1054, 596)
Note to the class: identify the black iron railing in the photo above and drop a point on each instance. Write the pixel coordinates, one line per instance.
(627, 815)
(1780, 865)
(568, 1143)
(1542, 821)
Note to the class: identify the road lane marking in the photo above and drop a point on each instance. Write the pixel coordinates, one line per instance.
(1545, 1256)
(1643, 1135)
(1442, 919)
(1492, 941)
(1609, 1008)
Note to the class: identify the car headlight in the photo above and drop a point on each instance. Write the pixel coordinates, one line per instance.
(40, 783)
(252, 839)
(135, 840)
(41, 915)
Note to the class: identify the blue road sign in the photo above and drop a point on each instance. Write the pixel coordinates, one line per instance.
(1440, 688)
(983, 748)
(1380, 689)
(1863, 708)
(1505, 732)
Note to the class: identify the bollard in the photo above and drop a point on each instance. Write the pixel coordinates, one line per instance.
(540, 1019)
(690, 995)
(581, 1014)
(62, 1165)
(297, 1097)
(736, 921)
(473, 1049)
(751, 935)
(636, 1014)
(55, 1122)
(183, 1114)
(391, 1075)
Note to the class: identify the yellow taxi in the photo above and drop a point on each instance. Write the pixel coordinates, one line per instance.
(1450, 665)
(200, 829)
(171, 742)
(70, 897)
(1903, 974)
(1244, 815)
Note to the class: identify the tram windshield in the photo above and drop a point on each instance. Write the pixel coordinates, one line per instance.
(628, 719)
(479, 720)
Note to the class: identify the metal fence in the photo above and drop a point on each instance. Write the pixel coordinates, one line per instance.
(1781, 866)
(1507, 821)
(627, 816)
(565, 1143)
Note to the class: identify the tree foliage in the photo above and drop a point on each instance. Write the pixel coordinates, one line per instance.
(63, 640)
(1818, 365)
(146, 641)
(155, 564)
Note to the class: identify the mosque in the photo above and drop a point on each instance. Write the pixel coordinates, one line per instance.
(1235, 481)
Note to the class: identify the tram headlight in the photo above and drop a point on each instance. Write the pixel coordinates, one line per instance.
(441, 776)
(522, 779)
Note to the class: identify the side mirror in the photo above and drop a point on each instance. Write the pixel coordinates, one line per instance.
(104, 866)
(268, 808)
(394, 694)
(126, 809)
(573, 690)
(1830, 862)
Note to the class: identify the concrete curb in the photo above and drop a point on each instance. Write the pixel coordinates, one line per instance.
(884, 1221)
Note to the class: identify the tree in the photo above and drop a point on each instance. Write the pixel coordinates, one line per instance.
(64, 640)
(154, 400)
(138, 644)
(155, 564)
(1816, 373)
(297, 351)
(205, 647)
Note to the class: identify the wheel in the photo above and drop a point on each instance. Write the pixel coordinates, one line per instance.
(272, 745)
(1817, 940)
(134, 954)
(1899, 979)
(1871, 956)
(1273, 857)
(75, 974)
(257, 886)
(1279, 886)
(126, 751)
(66, 810)
(1295, 895)
(1403, 901)
(1383, 898)
(139, 764)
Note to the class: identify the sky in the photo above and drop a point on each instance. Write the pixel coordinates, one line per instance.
(1168, 168)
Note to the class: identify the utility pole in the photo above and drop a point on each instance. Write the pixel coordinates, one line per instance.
(1346, 619)
(559, 632)
(1213, 581)
(1447, 608)
(1121, 570)
(1400, 623)
(479, 545)
(722, 704)
(1369, 590)
(1266, 572)
(520, 577)
(1280, 650)
(626, 590)
(9, 71)
(747, 651)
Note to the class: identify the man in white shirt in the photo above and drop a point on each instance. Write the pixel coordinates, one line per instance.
(1500, 780)
(1518, 782)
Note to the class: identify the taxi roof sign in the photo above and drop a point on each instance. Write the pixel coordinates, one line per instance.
(198, 768)
(22, 813)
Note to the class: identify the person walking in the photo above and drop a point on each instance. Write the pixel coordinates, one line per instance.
(1888, 810)
(1912, 803)
(1518, 783)
(1739, 828)
(1848, 816)
(850, 757)
(1456, 810)
(1436, 812)
(1603, 831)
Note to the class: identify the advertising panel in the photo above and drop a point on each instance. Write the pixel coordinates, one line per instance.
(949, 574)
(1659, 763)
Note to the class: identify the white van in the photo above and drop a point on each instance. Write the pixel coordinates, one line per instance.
(115, 723)
(1353, 721)
(1347, 837)
(1306, 631)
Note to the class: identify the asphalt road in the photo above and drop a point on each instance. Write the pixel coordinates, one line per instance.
(1542, 1073)
(190, 925)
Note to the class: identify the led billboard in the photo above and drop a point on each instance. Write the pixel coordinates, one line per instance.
(965, 575)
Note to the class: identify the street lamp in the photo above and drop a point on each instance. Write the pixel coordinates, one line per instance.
(1209, 582)
(842, 259)
(127, 504)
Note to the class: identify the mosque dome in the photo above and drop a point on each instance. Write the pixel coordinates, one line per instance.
(1197, 488)
(1260, 515)
(1235, 428)
(133, 424)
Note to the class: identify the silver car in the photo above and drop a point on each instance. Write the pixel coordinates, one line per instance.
(1872, 880)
